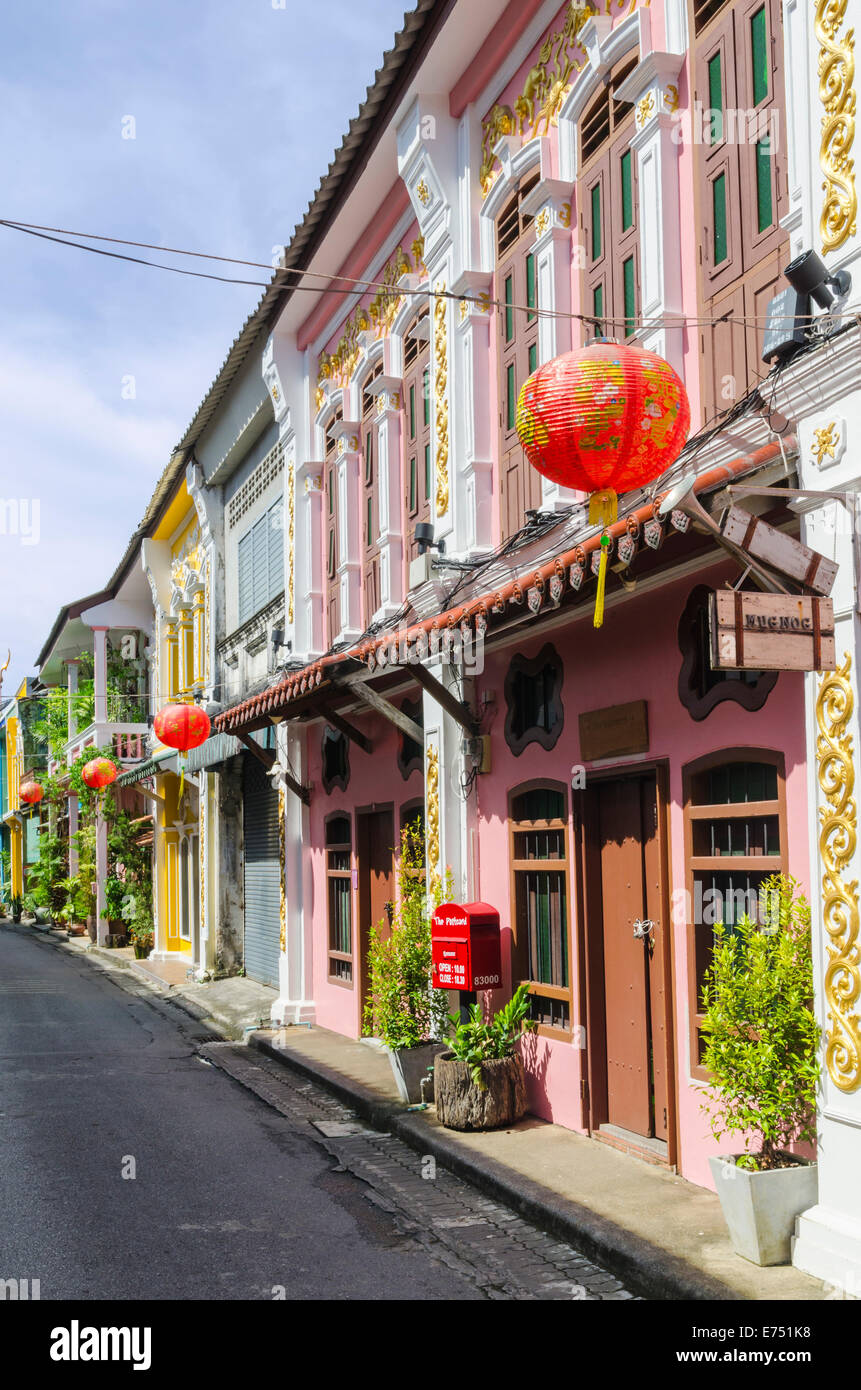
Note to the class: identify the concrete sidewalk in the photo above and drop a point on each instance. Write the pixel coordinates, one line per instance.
(232, 1007)
(654, 1230)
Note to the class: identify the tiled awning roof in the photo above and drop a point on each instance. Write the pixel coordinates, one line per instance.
(529, 591)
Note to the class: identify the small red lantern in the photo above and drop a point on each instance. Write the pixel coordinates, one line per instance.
(98, 773)
(604, 419)
(182, 726)
(31, 793)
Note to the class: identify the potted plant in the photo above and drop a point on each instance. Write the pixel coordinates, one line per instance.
(404, 1009)
(115, 891)
(761, 1040)
(17, 905)
(480, 1082)
(136, 912)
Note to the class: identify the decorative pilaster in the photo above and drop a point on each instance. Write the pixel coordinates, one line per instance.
(838, 839)
(309, 627)
(441, 402)
(476, 395)
(836, 69)
(387, 452)
(653, 89)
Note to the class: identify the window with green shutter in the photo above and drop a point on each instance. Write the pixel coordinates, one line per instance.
(412, 412)
(759, 55)
(510, 393)
(413, 485)
(720, 249)
(598, 302)
(426, 395)
(630, 296)
(627, 191)
(596, 221)
(531, 297)
(715, 99)
(509, 309)
(427, 470)
(764, 206)
(533, 357)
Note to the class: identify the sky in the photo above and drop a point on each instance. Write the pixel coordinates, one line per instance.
(202, 126)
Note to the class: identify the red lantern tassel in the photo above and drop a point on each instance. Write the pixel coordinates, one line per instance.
(602, 581)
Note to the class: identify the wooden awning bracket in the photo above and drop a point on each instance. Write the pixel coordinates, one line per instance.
(386, 709)
(459, 711)
(348, 730)
(267, 758)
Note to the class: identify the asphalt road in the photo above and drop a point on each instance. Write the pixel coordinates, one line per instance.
(235, 1194)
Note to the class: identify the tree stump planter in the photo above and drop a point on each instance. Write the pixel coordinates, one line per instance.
(461, 1105)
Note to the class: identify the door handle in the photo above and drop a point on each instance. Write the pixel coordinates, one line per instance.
(642, 929)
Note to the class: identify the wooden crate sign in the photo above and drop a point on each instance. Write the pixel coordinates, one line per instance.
(781, 552)
(614, 731)
(771, 632)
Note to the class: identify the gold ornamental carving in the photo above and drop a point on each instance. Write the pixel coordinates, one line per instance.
(377, 318)
(291, 526)
(441, 399)
(836, 92)
(838, 837)
(825, 442)
(545, 88)
(432, 803)
(282, 860)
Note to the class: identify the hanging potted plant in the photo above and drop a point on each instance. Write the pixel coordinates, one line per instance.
(761, 1040)
(479, 1082)
(404, 1010)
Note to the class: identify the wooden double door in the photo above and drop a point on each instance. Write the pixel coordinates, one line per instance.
(627, 949)
(375, 838)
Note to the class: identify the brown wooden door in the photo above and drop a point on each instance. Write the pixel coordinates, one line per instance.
(634, 1004)
(375, 839)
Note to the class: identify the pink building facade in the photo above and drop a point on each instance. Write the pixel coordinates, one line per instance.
(537, 177)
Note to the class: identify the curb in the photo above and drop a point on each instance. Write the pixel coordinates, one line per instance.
(645, 1268)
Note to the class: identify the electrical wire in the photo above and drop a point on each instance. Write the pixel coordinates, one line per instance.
(338, 283)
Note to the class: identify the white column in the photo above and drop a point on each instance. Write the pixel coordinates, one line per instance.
(295, 1003)
(308, 623)
(102, 923)
(72, 687)
(100, 674)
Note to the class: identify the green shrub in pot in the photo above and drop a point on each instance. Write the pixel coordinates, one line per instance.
(761, 1051)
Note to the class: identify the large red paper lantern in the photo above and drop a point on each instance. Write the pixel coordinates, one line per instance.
(31, 793)
(604, 419)
(99, 773)
(182, 726)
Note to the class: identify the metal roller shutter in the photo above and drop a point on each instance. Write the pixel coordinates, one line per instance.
(262, 874)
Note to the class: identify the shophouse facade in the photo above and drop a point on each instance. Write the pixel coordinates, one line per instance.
(540, 174)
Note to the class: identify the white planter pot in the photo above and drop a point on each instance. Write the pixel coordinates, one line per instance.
(409, 1066)
(760, 1208)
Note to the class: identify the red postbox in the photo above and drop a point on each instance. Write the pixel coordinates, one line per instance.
(466, 947)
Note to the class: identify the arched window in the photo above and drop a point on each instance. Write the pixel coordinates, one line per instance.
(370, 500)
(339, 880)
(607, 191)
(517, 351)
(735, 837)
(417, 426)
(332, 507)
(538, 849)
(335, 754)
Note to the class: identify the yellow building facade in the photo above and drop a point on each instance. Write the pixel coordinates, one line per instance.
(177, 563)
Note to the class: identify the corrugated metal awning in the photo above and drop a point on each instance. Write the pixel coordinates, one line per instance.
(162, 762)
(217, 749)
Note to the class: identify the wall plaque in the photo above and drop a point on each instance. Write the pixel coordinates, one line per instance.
(614, 731)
